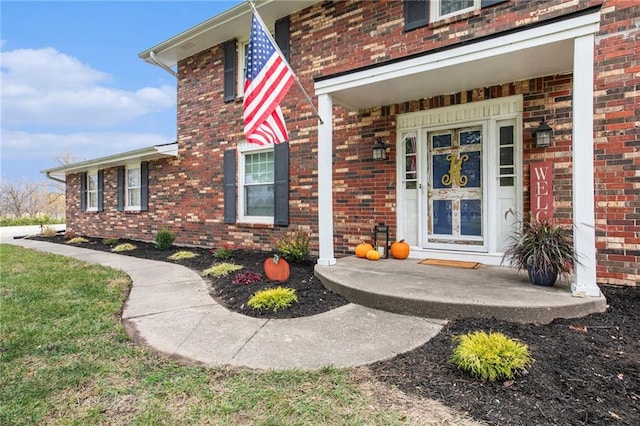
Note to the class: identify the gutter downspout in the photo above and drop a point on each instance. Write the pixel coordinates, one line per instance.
(48, 175)
(165, 67)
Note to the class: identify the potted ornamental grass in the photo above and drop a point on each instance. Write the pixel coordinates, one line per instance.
(543, 249)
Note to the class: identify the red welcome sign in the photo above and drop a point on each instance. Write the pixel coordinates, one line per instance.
(541, 190)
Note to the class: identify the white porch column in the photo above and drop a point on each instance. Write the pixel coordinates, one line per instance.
(583, 177)
(325, 181)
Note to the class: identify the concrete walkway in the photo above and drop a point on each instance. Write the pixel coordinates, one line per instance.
(169, 308)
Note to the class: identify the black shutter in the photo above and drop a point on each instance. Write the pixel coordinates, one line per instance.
(120, 188)
(282, 36)
(83, 192)
(487, 3)
(229, 186)
(144, 186)
(100, 189)
(416, 14)
(281, 184)
(230, 62)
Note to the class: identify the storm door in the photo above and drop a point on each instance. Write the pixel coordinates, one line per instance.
(454, 204)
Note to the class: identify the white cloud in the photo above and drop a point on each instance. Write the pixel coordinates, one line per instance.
(47, 87)
(18, 146)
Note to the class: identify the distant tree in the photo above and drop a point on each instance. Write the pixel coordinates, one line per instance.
(25, 198)
(30, 199)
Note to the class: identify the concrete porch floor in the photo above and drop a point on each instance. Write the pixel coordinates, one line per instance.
(407, 287)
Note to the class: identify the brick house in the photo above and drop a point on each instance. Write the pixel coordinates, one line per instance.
(469, 81)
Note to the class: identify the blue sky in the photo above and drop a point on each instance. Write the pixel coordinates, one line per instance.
(72, 81)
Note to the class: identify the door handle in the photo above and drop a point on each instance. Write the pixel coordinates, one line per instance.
(506, 213)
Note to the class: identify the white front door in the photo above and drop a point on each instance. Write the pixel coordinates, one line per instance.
(460, 178)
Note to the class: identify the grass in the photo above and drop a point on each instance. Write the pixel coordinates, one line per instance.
(26, 221)
(66, 359)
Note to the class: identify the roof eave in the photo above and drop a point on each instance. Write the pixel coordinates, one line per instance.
(143, 154)
(232, 23)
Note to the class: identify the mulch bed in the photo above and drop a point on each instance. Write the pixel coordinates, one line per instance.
(313, 297)
(586, 371)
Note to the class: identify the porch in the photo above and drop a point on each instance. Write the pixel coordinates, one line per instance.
(408, 287)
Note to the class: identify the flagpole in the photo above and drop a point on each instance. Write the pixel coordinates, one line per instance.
(264, 27)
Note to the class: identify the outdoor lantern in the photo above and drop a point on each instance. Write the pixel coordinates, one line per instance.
(543, 135)
(381, 239)
(379, 150)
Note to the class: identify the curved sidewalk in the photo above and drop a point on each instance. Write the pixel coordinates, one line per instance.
(170, 309)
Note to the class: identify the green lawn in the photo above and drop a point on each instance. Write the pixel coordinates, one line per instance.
(66, 359)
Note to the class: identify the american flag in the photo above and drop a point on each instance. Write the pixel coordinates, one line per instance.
(267, 80)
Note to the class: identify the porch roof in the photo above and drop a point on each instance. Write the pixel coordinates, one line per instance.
(544, 48)
(143, 154)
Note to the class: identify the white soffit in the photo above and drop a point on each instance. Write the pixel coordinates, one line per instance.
(144, 154)
(230, 24)
(543, 50)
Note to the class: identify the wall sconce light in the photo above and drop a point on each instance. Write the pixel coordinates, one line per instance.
(381, 239)
(543, 134)
(379, 150)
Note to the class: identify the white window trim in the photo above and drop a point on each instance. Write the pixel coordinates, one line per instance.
(90, 173)
(434, 10)
(243, 149)
(132, 166)
(243, 45)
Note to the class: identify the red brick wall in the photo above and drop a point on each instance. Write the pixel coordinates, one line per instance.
(331, 37)
(617, 143)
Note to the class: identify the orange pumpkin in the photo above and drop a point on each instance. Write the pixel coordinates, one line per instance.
(276, 268)
(373, 254)
(362, 249)
(399, 250)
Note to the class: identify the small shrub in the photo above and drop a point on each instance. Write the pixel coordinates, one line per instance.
(221, 269)
(77, 240)
(164, 239)
(48, 231)
(490, 356)
(182, 254)
(273, 298)
(222, 253)
(110, 241)
(294, 246)
(124, 247)
(70, 234)
(247, 278)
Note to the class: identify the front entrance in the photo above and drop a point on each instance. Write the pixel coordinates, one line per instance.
(460, 184)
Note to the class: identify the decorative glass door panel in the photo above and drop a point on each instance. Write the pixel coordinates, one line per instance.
(455, 187)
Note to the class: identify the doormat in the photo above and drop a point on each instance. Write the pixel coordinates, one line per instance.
(451, 263)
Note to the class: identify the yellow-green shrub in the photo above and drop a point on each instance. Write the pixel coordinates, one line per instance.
(221, 269)
(490, 356)
(273, 298)
(77, 240)
(124, 247)
(182, 254)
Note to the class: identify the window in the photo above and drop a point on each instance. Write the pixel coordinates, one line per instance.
(257, 179)
(418, 13)
(262, 191)
(242, 65)
(133, 188)
(444, 8)
(92, 190)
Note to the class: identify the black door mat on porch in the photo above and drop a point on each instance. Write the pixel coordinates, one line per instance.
(451, 263)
